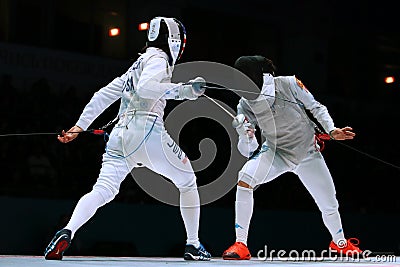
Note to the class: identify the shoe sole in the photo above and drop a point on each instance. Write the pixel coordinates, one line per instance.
(190, 257)
(57, 252)
(235, 257)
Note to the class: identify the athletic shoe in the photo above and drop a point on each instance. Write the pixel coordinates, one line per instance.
(58, 245)
(348, 248)
(237, 251)
(196, 254)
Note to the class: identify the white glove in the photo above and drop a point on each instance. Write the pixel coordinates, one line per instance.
(243, 127)
(247, 144)
(193, 89)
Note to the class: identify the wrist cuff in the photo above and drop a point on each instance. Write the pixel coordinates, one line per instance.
(330, 134)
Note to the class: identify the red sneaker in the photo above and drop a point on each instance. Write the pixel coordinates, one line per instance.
(349, 248)
(237, 251)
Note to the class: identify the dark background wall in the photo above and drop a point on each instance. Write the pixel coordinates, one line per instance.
(55, 54)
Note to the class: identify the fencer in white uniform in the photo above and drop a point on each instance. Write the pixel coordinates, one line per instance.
(139, 138)
(290, 146)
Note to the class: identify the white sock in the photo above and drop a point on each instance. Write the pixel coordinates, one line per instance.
(333, 222)
(84, 210)
(190, 211)
(243, 212)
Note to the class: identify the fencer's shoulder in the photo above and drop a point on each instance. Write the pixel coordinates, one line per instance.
(299, 84)
(153, 59)
(288, 78)
(284, 81)
(153, 52)
(292, 81)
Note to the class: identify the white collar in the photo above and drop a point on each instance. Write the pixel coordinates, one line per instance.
(268, 87)
(152, 49)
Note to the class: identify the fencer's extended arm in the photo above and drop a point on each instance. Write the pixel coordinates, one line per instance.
(247, 142)
(152, 83)
(319, 111)
(100, 101)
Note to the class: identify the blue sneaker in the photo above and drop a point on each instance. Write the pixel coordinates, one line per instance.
(59, 244)
(196, 254)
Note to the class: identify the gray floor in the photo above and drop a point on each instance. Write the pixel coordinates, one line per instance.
(36, 261)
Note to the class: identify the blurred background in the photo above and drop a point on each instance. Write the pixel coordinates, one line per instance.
(55, 54)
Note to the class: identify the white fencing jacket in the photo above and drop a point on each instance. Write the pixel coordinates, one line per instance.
(285, 125)
(144, 87)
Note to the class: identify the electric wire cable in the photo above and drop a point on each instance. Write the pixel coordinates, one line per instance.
(336, 141)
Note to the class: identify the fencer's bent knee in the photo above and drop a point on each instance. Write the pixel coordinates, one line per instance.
(187, 185)
(107, 194)
(244, 184)
(246, 179)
